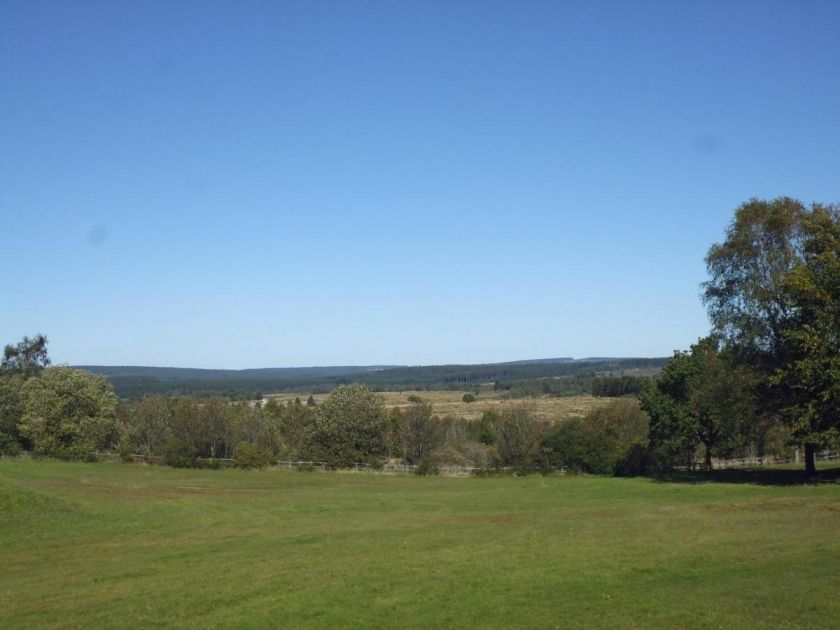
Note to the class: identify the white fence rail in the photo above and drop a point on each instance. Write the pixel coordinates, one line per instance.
(749, 462)
(389, 468)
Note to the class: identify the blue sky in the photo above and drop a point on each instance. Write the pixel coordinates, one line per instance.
(246, 184)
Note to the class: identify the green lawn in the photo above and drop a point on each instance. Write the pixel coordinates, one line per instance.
(91, 545)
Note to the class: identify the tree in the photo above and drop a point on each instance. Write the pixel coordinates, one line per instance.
(28, 357)
(349, 426)
(757, 300)
(809, 380)
(11, 410)
(421, 433)
(147, 424)
(69, 411)
(744, 294)
(310, 402)
(518, 436)
(700, 398)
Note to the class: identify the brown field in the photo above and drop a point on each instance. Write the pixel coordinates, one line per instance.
(449, 403)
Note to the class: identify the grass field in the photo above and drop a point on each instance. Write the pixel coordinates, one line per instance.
(448, 402)
(92, 545)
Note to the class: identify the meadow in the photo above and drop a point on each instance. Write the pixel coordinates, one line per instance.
(450, 403)
(103, 545)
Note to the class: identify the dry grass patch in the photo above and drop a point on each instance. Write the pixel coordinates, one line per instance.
(450, 403)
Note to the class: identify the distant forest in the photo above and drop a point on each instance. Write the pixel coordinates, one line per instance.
(557, 377)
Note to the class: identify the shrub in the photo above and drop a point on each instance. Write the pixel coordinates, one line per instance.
(176, 452)
(625, 424)
(427, 466)
(250, 456)
(484, 429)
(569, 444)
(468, 398)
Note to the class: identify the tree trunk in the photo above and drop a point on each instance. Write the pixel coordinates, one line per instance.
(708, 462)
(810, 460)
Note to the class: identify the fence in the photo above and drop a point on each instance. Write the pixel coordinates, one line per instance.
(396, 468)
(746, 462)
(388, 468)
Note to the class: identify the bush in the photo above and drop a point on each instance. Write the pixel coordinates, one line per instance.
(427, 466)
(625, 424)
(176, 453)
(484, 429)
(580, 450)
(9, 447)
(468, 398)
(250, 456)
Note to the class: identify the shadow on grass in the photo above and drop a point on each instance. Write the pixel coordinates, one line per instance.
(757, 476)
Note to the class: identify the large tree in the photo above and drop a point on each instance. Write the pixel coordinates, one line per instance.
(808, 382)
(349, 426)
(751, 304)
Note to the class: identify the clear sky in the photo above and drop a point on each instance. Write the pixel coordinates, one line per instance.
(249, 184)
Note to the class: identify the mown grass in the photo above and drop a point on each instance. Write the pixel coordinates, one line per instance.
(98, 545)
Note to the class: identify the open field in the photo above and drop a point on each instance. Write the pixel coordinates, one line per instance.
(111, 544)
(447, 402)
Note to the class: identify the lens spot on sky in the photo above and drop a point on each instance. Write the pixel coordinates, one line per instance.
(707, 144)
(96, 235)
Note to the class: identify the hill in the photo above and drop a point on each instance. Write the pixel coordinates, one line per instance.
(134, 381)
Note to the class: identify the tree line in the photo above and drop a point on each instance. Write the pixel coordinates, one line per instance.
(63, 412)
(69, 413)
(254, 384)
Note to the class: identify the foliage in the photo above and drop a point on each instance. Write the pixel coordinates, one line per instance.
(518, 436)
(421, 433)
(349, 426)
(66, 410)
(250, 456)
(134, 382)
(700, 397)
(28, 357)
(809, 380)
(572, 445)
(772, 297)
(148, 423)
(468, 398)
(628, 427)
(11, 410)
(615, 386)
(744, 294)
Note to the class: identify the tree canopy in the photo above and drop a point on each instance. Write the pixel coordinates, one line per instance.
(28, 357)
